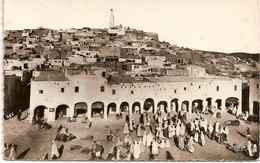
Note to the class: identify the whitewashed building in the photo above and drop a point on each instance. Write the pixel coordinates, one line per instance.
(74, 94)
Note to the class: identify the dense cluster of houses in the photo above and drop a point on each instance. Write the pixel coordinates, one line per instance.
(114, 52)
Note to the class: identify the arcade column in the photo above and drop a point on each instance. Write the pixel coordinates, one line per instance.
(223, 106)
(204, 105)
(105, 110)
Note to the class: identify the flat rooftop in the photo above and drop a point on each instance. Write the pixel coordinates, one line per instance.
(51, 76)
(186, 79)
(56, 76)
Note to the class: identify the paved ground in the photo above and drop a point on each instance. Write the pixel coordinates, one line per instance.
(33, 143)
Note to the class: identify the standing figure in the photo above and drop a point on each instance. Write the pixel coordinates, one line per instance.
(13, 153)
(249, 149)
(191, 145)
(202, 138)
(137, 150)
(196, 137)
(155, 147)
(126, 129)
(54, 151)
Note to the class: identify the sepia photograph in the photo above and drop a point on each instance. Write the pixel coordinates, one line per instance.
(130, 80)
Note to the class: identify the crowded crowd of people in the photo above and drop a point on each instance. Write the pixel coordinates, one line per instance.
(160, 130)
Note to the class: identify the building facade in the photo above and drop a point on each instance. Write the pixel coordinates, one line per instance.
(93, 93)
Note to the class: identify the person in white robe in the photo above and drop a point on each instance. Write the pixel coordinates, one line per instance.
(126, 129)
(54, 150)
(191, 145)
(196, 137)
(131, 128)
(210, 129)
(254, 150)
(238, 111)
(137, 150)
(148, 120)
(202, 138)
(182, 129)
(205, 125)
(217, 126)
(178, 130)
(181, 142)
(246, 116)
(249, 149)
(155, 147)
(145, 120)
(192, 126)
(142, 146)
(13, 153)
(145, 138)
(149, 139)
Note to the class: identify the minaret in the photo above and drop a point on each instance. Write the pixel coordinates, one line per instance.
(111, 21)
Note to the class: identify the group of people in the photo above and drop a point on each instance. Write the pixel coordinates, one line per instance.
(97, 150)
(63, 134)
(156, 131)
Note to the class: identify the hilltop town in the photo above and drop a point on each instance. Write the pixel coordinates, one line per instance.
(120, 50)
(119, 80)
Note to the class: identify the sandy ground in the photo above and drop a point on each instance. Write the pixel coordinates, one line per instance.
(33, 143)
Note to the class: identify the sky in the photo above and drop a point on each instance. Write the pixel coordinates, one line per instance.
(213, 25)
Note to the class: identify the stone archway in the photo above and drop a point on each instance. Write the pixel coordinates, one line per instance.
(219, 103)
(124, 107)
(197, 105)
(136, 108)
(162, 105)
(231, 104)
(149, 105)
(61, 110)
(175, 105)
(80, 109)
(41, 111)
(97, 108)
(209, 102)
(111, 108)
(185, 105)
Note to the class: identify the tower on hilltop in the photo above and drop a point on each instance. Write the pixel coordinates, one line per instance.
(111, 20)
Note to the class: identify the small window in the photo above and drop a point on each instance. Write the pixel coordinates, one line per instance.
(132, 92)
(199, 86)
(175, 90)
(235, 87)
(113, 91)
(40, 91)
(257, 86)
(217, 88)
(185, 88)
(102, 89)
(76, 89)
(62, 90)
